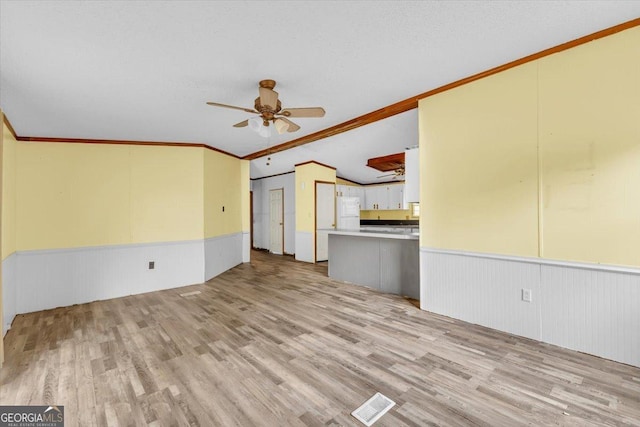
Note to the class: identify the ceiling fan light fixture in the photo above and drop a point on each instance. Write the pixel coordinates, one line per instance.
(255, 123)
(281, 126)
(259, 126)
(265, 131)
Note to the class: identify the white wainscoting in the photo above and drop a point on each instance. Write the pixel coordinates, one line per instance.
(586, 307)
(305, 246)
(246, 246)
(62, 277)
(482, 291)
(261, 230)
(596, 312)
(9, 292)
(45, 279)
(222, 253)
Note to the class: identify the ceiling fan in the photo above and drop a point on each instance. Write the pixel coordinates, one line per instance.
(269, 110)
(396, 173)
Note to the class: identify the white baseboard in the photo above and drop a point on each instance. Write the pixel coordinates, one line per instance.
(585, 307)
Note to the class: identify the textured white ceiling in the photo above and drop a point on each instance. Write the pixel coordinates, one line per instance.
(348, 152)
(143, 70)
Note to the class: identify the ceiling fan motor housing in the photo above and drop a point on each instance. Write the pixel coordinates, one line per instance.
(267, 83)
(266, 111)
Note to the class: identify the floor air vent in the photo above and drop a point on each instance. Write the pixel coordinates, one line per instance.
(373, 409)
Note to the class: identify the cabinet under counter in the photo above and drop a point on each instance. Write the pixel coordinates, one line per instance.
(386, 261)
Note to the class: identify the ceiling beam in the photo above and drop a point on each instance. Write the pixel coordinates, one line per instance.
(411, 103)
(374, 116)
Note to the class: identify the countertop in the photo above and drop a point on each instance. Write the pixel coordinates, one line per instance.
(376, 233)
(391, 222)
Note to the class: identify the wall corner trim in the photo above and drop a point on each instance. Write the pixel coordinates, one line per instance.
(9, 126)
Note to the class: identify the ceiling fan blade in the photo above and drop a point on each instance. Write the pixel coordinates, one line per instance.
(292, 126)
(241, 124)
(268, 97)
(217, 104)
(303, 112)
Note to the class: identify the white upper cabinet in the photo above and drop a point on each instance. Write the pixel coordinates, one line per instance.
(376, 197)
(395, 197)
(359, 193)
(372, 197)
(351, 191)
(412, 175)
(384, 197)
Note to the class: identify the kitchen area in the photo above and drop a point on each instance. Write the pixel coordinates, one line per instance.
(376, 239)
(366, 233)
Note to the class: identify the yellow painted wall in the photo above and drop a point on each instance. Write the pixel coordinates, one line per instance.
(2, 245)
(306, 175)
(72, 195)
(386, 214)
(166, 194)
(223, 186)
(478, 165)
(540, 160)
(75, 195)
(9, 145)
(589, 133)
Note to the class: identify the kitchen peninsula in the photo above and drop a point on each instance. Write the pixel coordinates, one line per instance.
(384, 259)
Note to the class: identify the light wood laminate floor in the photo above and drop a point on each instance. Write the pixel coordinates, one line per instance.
(276, 343)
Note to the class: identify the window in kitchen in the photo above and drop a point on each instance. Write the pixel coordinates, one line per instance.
(415, 210)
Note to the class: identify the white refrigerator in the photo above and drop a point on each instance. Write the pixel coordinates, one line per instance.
(348, 213)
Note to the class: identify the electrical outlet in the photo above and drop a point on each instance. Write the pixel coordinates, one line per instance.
(526, 295)
(152, 265)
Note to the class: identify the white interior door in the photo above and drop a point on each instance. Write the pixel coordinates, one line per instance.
(325, 218)
(276, 221)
